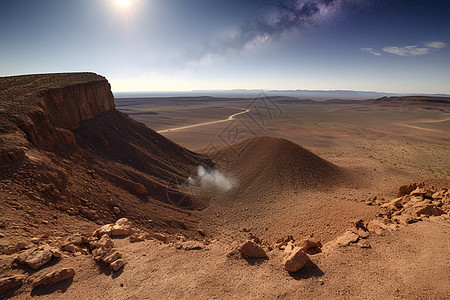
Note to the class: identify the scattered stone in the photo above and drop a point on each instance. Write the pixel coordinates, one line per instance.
(158, 236)
(192, 245)
(123, 226)
(362, 233)
(116, 265)
(140, 189)
(35, 258)
(363, 244)
(35, 240)
(295, 259)
(376, 226)
(310, 246)
(251, 249)
(115, 255)
(53, 277)
(9, 282)
(116, 210)
(2, 235)
(347, 238)
(429, 210)
(105, 242)
(137, 238)
(406, 189)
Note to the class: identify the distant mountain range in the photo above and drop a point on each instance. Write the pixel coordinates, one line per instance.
(301, 94)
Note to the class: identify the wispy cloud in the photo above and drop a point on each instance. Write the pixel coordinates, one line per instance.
(407, 50)
(371, 51)
(436, 45)
(412, 50)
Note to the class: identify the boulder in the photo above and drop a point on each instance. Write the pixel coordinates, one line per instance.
(36, 257)
(9, 282)
(428, 210)
(310, 246)
(116, 265)
(192, 245)
(406, 189)
(53, 277)
(140, 189)
(137, 238)
(115, 255)
(295, 259)
(376, 226)
(347, 238)
(105, 242)
(122, 227)
(363, 244)
(251, 249)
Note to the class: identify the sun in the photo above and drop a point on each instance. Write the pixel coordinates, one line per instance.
(123, 3)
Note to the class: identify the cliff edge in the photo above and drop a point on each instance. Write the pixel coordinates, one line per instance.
(41, 110)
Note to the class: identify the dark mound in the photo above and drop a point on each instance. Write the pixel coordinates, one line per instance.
(275, 164)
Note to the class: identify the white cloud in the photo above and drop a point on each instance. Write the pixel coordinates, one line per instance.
(436, 45)
(415, 50)
(407, 50)
(371, 51)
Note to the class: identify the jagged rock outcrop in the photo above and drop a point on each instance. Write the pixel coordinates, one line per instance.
(41, 110)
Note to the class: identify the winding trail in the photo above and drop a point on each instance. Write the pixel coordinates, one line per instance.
(230, 118)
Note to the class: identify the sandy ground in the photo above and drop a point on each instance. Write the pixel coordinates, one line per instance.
(404, 264)
(372, 144)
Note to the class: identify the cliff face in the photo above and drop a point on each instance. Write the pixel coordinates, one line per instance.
(42, 110)
(67, 106)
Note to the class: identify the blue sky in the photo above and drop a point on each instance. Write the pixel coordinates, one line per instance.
(179, 45)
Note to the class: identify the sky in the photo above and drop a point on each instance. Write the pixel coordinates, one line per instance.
(391, 46)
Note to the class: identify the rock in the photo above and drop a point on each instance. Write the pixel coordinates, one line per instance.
(53, 277)
(192, 245)
(158, 236)
(251, 249)
(418, 192)
(137, 238)
(376, 226)
(140, 189)
(70, 247)
(406, 189)
(295, 259)
(362, 233)
(77, 239)
(394, 204)
(428, 210)
(116, 210)
(347, 238)
(35, 258)
(123, 226)
(105, 229)
(116, 265)
(363, 244)
(310, 246)
(405, 219)
(115, 255)
(9, 282)
(105, 242)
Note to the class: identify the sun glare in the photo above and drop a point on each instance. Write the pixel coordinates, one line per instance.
(123, 3)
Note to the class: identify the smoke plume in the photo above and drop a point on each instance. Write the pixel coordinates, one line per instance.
(211, 177)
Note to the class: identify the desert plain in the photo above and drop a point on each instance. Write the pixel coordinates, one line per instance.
(160, 204)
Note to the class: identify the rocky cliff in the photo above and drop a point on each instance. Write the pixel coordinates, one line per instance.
(42, 110)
